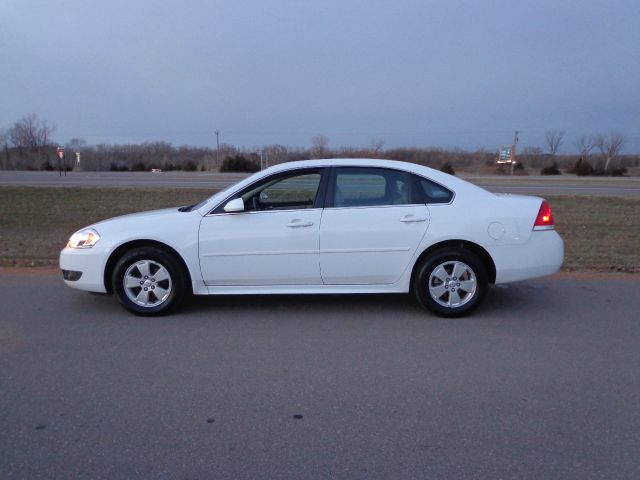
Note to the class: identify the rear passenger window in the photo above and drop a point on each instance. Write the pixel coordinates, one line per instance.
(433, 192)
(366, 187)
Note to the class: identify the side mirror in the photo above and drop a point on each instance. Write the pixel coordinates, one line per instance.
(235, 205)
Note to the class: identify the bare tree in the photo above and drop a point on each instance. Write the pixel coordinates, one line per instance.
(584, 144)
(30, 133)
(532, 156)
(609, 146)
(276, 154)
(319, 146)
(553, 139)
(76, 144)
(376, 146)
(4, 145)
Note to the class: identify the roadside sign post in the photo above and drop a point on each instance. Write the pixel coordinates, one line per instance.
(507, 154)
(60, 154)
(513, 151)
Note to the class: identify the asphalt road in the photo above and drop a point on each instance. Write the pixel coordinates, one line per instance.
(536, 185)
(542, 383)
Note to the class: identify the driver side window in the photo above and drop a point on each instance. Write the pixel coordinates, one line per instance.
(284, 193)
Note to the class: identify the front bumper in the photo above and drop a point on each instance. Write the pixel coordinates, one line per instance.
(71, 275)
(89, 263)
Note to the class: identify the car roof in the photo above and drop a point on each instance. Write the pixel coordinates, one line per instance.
(449, 181)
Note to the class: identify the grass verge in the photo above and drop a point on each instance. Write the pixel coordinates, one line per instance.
(35, 223)
(600, 233)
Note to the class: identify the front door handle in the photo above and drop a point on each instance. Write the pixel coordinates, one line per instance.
(298, 223)
(412, 219)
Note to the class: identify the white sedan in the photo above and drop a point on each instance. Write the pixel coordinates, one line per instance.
(322, 226)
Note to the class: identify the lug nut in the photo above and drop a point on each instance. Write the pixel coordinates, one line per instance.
(145, 289)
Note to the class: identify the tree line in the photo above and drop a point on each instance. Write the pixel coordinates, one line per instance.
(29, 145)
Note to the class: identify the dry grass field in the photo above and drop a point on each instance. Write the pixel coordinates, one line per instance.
(35, 223)
(600, 233)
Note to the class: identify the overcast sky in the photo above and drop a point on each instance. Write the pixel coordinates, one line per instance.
(410, 73)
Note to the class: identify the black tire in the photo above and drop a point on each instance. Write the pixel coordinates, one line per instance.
(458, 297)
(138, 266)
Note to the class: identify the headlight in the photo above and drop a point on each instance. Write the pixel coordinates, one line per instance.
(86, 238)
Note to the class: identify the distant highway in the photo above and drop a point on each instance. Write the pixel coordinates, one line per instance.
(562, 185)
(532, 185)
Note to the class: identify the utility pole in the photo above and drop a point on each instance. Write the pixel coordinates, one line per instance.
(513, 151)
(217, 148)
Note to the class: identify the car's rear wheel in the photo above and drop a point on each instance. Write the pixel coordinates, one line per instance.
(149, 281)
(451, 282)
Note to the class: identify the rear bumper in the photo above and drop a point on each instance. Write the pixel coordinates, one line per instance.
(88, 267)
(542, 255)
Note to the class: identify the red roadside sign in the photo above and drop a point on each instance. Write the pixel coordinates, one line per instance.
(60, 152)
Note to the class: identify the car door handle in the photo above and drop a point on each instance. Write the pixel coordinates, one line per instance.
(298, 223)
(412, 219)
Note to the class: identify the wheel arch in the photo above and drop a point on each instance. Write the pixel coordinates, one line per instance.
(484, 256)
(125, 247)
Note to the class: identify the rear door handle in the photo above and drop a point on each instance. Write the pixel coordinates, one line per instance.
(298, 223)
(412, 219)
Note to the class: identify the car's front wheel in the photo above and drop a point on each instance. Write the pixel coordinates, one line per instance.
(451, 282)
(149, 281)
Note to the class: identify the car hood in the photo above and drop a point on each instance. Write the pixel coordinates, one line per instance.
(139, 216)
(161, 225)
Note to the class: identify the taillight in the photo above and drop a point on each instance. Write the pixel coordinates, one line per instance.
(544, 220)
